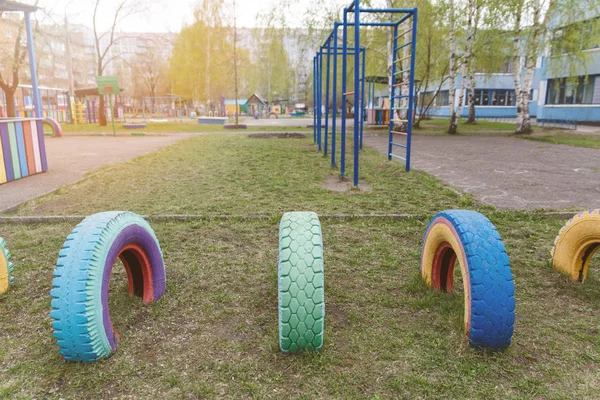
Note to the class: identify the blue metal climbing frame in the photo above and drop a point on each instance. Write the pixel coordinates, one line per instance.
(330, 48)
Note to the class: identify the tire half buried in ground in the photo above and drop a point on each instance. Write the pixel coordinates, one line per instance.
(81, 319)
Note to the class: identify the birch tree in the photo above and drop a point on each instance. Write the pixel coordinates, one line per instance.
(524, 57)
(453, 128)
(472, 26)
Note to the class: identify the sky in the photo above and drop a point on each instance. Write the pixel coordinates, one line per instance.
(164, 15)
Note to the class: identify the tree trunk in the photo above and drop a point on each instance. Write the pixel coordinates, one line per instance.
(453, 128)
(235, 70)
(470, 61)
(10, 102)
(471, 100)
(101, 112)
(531, 54)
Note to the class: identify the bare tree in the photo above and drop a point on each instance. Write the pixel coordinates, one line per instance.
(124, 9)
(235, 60)
(13, 61)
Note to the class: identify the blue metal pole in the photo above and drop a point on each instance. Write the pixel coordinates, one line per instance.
(392, 90)
(327, 95)
(37, 101)
(362, 98)
(413, 52)
(344, 71)
(315, 99)
(320, 94)
(357, 105)
(334, 106)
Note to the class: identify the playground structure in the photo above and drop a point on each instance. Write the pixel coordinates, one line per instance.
(54, 103)
(301, 283)
(22, 148)
(402, 82)
(80, 314)
(169, 106)
(6, 268)
(576, 244)
(471, 239)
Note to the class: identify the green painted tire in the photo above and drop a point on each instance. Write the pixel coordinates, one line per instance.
(301, 288)
(6, 268)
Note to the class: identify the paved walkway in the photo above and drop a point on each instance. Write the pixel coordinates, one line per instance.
(509, 173)
(70, 158)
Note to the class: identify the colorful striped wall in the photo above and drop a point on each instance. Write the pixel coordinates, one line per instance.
(22, 149)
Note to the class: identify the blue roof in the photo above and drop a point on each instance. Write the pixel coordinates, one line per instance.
(232, 102)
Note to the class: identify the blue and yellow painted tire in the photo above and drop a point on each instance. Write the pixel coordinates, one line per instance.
(81, 319)
(6, 268)
(471, 239)
(576, 244)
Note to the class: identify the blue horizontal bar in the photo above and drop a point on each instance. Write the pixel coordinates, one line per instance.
(401, 20)
(399, 145)
(339, 54)
(377, 24)
(387, 10)
(393, 155)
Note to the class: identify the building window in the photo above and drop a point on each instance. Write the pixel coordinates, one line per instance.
(567, 92)
(441, 99)
(493, 97)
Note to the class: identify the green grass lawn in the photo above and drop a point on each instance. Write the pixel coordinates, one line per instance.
(172, 127)
(570, 139)
(214, 333)
(234, 174)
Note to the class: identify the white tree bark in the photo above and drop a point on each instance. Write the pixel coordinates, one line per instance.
(531, 54)
(452, 129)
(516, 64)
(523, 75)
(471, 60)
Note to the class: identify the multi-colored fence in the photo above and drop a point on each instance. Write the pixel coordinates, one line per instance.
(22, 148)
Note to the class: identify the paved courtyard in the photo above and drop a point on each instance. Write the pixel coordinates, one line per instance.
(71, 157)
(509, 173)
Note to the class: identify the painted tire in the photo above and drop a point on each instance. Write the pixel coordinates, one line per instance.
(56, 128)
(6, 268)
(80, 314)
(470, 238)
(576, 244)
(301, 297)
(134, 126)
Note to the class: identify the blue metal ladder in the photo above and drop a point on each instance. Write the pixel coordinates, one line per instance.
(397, 85)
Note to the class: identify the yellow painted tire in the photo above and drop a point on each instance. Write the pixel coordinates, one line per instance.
(6, 268)
(576, 244)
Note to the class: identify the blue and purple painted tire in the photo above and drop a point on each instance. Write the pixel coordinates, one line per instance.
(81, 319)
(471, 239)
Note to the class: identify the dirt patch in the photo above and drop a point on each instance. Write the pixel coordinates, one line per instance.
(344, 185)
(278, 135)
